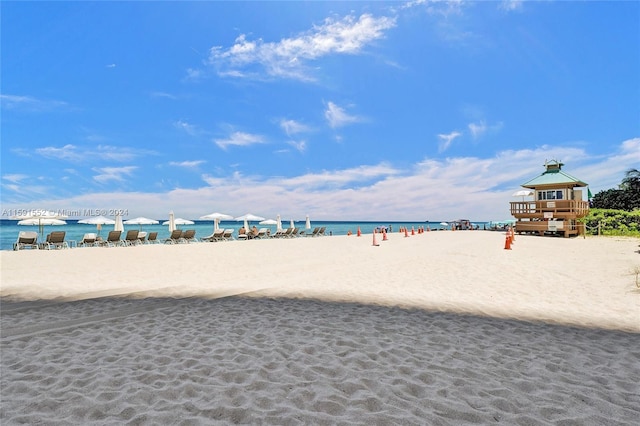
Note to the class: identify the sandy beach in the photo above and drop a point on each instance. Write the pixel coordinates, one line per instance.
(439, 328)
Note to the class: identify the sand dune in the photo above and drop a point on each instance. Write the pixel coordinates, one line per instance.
(443, 328)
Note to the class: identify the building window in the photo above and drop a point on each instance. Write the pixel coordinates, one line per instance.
(550, 195)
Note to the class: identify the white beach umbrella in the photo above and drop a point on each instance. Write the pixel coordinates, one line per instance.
(249, 218)
(278, 223)
(292, 224)
(140, 221)
(118, 226)
(41, 222)
(216, 217)
(522, 193)
(179, 221)
(40, 217)
(307, 225)
(98, 221)
(268, 222)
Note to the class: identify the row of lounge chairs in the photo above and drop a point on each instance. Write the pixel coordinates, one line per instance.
(29, 240)
(56, 239)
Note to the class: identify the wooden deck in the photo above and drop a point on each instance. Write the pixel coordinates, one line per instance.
(556, 217)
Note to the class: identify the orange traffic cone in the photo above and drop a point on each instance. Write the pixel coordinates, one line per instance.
(513, 234)
(413, 231)
(384, 235)
(359, 233)
(507, 243)
(375, 244)
(406, 233)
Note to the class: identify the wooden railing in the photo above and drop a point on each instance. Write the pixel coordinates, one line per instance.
(556, 209)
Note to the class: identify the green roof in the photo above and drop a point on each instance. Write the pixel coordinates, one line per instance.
(553, 176)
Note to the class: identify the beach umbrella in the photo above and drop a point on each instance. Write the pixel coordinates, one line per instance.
(98, 221)
(268, 222)
(522, 193)
(216, 217)
(292, 224)
(307, 225)
(246, 218)
(278, 223)
(41, 222)
(140, 221)
(118, 226)
(179, 221)
(41, 218)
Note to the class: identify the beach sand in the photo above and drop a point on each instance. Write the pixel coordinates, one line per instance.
(439, 328)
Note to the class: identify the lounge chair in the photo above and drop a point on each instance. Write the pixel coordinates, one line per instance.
(131, 239)
(228, 235)
(26, 239)
(262, 233)
(113, 239)
(286, 233)
(313, 233)
(174, 238)
(216, 236)
(88, 240)
(152, 238)
(321, 232)
(55, 240)
(142, 237)
(189, 236)
(294, 233)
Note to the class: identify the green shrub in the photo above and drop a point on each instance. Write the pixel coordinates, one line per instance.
(613, 222)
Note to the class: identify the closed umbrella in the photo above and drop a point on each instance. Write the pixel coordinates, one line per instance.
(278, 224)
(172, 222)
(307, 225)
(118, 226)
(291, 224)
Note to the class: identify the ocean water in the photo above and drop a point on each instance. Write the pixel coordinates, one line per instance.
(9, 229)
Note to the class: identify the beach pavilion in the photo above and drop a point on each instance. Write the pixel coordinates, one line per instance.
(560, 200)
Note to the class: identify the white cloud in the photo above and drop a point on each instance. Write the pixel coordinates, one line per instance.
(300, 146)
(118, 174)
(338, 117)
(68, 152)
(111, 66)
(163, 95)
(446, 139)
(239, 139)
(511, 5)
(77, 154)
(288, 57)
(14, 178)
(431, 189)
(292, 127)
(30, 104)
(187, 164)
(190, 129)
(477, 129)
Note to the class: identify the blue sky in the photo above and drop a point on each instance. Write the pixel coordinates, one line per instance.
(423, 110)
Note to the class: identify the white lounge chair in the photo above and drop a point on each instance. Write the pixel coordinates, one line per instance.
(26, 239)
